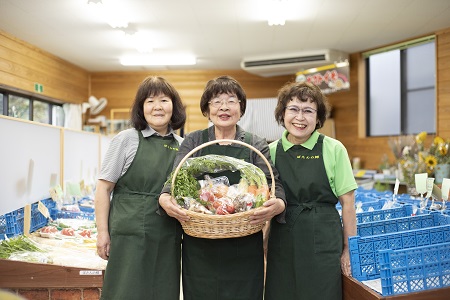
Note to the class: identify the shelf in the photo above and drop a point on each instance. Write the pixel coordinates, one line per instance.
(18, 274)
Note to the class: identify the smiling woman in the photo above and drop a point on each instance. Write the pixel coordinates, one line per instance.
(242, 276)
(130, 232)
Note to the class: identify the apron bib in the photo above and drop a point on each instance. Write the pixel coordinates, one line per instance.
(303, 259)
(224, 269)
(145, 250)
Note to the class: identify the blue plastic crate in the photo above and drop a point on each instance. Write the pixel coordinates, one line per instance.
(385, 214)
(14, 221)
(413, 270)
(402, 224)
(62, 214)
(364, 250)
(366, 206)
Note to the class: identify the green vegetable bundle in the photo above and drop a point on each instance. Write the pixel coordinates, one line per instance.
(186, 184)
(17, 244)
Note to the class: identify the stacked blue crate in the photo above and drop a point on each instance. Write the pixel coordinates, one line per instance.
(416, 269)
(364, 251)
(402, 224)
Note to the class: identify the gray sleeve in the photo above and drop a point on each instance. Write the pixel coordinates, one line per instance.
(119, 156)
(261, 144)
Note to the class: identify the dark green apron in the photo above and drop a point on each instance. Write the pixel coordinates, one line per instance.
(303, 259)
(224, 269)
(145, 254)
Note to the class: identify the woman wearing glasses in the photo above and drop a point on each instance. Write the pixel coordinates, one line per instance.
(230, 268)
(307, 254)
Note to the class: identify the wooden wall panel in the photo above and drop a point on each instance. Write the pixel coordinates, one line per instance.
(22, 65)
(120, 88)
(443, 83)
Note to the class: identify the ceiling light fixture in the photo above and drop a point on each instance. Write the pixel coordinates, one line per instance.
(110, 11)
(157, 60)
(276, 11)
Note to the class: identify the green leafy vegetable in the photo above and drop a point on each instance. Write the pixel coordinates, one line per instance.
(17, 244)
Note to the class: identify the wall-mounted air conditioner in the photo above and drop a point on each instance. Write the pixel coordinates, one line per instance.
(291, 63)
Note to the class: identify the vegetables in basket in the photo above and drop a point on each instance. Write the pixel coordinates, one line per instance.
(220, 198)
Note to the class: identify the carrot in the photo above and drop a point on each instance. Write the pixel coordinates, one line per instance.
(252, 189)
(263, 190)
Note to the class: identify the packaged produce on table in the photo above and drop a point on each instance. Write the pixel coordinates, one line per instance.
(216, 195)
(69, 229)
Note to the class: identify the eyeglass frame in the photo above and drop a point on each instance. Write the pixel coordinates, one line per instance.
(290, 109)
(218, 104)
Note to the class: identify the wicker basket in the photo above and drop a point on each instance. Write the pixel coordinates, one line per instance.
(221, 226)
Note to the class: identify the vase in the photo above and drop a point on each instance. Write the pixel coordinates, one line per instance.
(440, 172)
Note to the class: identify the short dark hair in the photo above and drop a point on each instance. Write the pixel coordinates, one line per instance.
(154, 86)
(303, 91)
(221, 85)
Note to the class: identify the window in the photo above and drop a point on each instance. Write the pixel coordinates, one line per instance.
(401, 89)
(19, 107)
(28, 108)
(2, 103)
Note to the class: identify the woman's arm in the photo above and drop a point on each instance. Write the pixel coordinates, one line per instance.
(349, 228)
(102, 203)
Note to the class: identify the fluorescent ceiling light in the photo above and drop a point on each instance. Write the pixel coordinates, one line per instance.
(277, 12)
(156, 60)
(110, 11)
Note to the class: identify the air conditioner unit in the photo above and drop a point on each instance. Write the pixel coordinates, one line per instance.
(275, 65)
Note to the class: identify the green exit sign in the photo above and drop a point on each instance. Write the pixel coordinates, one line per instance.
(38, 87)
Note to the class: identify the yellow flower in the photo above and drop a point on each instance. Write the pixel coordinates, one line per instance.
(438, 140)
(443, 149)
(420, 138)
(431, 161)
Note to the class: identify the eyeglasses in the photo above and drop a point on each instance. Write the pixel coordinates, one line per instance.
(230, 102)
(295, 110)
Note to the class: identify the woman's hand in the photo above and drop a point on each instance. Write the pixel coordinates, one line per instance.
(103, 244)
(345, 262)
(171, 207)
(270, 208)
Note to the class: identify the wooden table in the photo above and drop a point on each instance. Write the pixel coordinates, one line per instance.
(355, 290)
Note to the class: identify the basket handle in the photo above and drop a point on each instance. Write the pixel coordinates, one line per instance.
(272, 190)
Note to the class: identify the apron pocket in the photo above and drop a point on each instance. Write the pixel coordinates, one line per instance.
(327, 233)
(127, 215)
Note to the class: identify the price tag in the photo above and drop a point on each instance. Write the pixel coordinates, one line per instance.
(43, 209)
(91, 272)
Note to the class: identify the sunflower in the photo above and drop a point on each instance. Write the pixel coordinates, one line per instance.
(431, 161)
(420, 138)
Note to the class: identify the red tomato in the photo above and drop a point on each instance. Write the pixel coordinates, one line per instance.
(68, 231)
(207, 196)
(49, 229)
(217, 203)
(230, 208)
(221, 210)
(86, 233)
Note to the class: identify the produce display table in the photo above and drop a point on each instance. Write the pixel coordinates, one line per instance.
(355, 290)
(17, 274)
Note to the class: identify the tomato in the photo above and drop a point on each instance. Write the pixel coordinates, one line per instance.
(86, 233)
(216, 204)
(49, 229)
(68, 231)
(207, 196)
(229, 208)
(221, 210)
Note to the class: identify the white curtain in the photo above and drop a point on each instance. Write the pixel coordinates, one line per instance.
(73, 116)
(259, 118)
